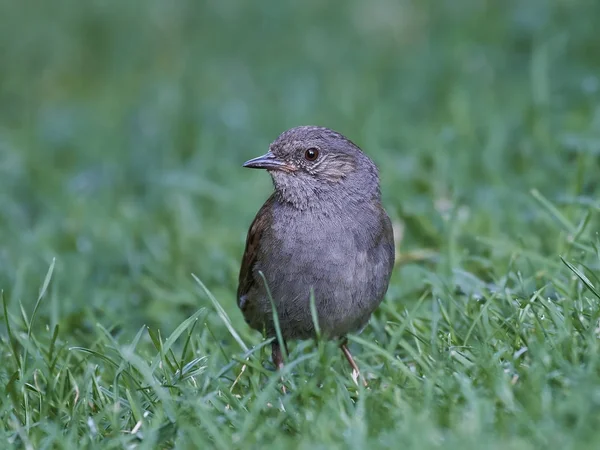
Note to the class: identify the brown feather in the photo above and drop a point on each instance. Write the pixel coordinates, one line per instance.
(258, 226)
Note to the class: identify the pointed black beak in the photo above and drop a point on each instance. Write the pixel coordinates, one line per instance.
(267, 161)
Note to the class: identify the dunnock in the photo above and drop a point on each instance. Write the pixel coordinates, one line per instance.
(323, 232)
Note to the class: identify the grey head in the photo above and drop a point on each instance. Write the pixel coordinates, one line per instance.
(315, 167)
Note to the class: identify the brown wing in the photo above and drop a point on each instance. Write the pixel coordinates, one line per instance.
(387, 235)
(246, 280)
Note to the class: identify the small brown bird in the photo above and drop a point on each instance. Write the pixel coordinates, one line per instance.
(323, 231)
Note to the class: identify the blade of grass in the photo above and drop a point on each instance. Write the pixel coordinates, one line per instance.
(176, 333)
(579, 274)
(222, 314)
(41, 295)
(275, 319)
(11, 338)
(554, 212)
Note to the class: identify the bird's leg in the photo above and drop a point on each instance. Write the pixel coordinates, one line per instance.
(277, 355)
(348, 355)
(278, 360)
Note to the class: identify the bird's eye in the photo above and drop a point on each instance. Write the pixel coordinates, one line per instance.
(311, 154)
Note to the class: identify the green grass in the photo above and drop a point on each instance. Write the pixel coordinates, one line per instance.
(123, 127)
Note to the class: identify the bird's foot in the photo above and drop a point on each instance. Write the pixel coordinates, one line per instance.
(278, 362)
(355, 370)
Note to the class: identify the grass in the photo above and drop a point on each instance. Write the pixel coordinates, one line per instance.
(124, 209)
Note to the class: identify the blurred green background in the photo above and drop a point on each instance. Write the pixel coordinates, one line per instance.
(123, 127)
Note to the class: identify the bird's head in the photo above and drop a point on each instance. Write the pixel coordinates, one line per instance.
(312, 166)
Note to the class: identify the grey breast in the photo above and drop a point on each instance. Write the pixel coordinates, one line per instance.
(342, 258)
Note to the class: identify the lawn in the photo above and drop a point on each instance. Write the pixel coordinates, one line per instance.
(124, 211)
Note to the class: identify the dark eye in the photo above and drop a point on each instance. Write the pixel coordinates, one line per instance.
(311, 154)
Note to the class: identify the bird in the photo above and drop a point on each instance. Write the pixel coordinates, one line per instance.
(322, 236)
